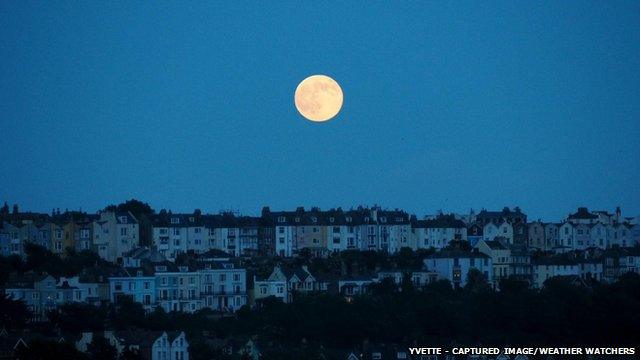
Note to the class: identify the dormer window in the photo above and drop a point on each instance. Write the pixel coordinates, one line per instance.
(383, 219)
(331, 219)
(228, 266)
(139, 273)
(398, 219)
(348, 219)
(192, 219)
(123, 219)
(281, 219)
(366, 219)
(161, 268)
(297, 219)
(183, 269)
(314, 219)
(175, 220)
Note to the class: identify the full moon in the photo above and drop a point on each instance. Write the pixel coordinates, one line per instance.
(318, 98)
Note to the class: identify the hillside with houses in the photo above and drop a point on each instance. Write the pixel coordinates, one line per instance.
(134, 282)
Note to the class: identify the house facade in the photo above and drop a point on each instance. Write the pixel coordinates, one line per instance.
(454, 265)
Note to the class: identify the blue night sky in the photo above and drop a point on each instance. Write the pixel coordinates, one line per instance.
(447, 106)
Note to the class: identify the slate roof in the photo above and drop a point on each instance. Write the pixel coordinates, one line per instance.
(177, 220)
(583, 214)
(301, 273)
(456, 254)
(495, 245)
(129, 217)
(215, 254)
(25, 281)
(442, 222)
(144, 253)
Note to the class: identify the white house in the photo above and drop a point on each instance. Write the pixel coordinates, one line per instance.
(454, 265)
(115, 233)
(503, 229)
(170, 347)
(178, 233)
(438, 232)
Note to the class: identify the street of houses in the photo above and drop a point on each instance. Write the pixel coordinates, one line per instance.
(191, 262)
(501, 244)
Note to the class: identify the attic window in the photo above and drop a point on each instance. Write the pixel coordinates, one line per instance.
(175, 220)
(281, 219)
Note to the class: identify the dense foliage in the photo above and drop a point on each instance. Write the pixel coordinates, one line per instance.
(560, 314)
(42, 260)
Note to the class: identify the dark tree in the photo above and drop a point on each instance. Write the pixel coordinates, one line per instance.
(132, 354)
(13, 313)
(78, 317)
(136, 207)
(101, 349)
(46, 350)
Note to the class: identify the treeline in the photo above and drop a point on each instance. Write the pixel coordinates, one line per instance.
(42, 260)
(560, 314)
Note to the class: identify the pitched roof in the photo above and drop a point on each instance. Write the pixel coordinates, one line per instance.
(495, 245)
(583, 214)
(446, 254)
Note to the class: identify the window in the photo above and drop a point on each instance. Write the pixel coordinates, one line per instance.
(336, 240)
(175, 220)
(280, 229)
(223, 277)
(236, 277)
(197, 230)
(123, 231)
(336, 229)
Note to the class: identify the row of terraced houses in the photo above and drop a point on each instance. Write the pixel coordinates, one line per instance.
(287, 233)
(586, 245)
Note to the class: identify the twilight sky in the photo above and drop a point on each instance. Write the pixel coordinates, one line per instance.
(447, 106)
